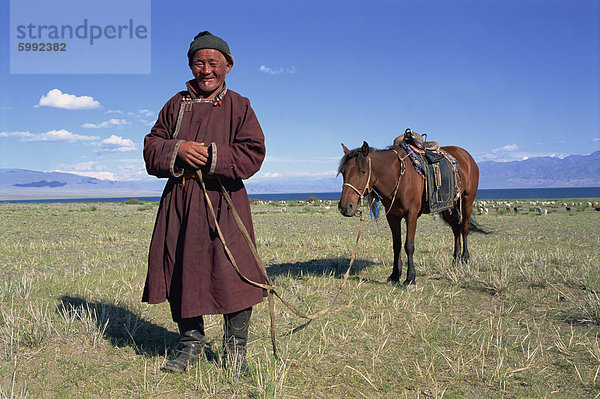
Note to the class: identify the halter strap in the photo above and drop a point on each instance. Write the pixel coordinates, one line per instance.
(352, 187)
(402, 170)
(366, 189)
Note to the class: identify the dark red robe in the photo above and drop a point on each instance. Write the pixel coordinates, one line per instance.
(187, 264)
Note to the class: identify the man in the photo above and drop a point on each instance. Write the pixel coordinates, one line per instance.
(214, 129)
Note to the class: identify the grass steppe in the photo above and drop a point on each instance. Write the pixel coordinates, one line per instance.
(522, 319)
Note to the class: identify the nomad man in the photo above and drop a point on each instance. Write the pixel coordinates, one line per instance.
(212, 129)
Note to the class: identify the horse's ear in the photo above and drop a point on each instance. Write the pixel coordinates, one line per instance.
(365, 148)
(346, 150)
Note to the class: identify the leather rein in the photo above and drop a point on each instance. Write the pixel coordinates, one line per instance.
(269, 287)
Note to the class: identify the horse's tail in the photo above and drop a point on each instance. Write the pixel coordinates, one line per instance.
(473, 225)
(477, 228)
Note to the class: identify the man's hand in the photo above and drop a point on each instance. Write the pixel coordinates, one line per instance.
(193, 153)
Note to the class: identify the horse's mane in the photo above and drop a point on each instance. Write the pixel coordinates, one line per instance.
(355, 153)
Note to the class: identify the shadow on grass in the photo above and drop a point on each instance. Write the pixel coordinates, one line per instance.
(123, 327)
(335, 267)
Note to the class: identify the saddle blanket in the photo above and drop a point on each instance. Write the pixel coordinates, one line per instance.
(439, 170)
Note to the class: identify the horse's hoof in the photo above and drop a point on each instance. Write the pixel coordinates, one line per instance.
(410, 284)
(392, 280)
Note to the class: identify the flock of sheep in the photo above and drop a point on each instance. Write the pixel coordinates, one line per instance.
(539, 207)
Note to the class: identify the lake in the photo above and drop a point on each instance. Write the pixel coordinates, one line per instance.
(501, 193)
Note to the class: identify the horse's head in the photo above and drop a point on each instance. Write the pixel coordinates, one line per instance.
(355, 168)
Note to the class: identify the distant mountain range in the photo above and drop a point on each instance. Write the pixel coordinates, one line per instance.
(18, 184)
(571, 171)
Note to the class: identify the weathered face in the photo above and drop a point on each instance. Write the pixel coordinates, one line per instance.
(355, 171)
(209, 67)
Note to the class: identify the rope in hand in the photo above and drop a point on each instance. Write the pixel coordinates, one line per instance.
(270, 287)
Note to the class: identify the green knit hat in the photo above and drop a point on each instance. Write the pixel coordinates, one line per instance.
(207, 40)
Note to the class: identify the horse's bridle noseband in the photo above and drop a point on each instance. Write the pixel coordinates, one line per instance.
(366, 189)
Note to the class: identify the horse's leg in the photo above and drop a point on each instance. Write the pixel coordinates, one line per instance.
(396, 227)
(452, 218)
(465, 231)
(409, 247)
(467, 209)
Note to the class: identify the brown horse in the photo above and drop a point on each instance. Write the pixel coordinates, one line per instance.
(392, 176)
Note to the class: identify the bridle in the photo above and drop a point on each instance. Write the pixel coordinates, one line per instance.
(367, 189)
(268, 286)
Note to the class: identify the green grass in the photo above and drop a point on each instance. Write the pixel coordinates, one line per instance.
(522, 319)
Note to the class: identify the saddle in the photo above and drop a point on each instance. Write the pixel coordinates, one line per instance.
(415, 139)
(436, 166)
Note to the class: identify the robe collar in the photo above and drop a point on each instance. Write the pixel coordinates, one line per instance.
(193, 91)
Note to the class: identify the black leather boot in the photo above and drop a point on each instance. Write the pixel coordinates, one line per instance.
(236, 336)
(191, 346)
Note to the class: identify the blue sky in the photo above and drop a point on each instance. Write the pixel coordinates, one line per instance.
(504, 79)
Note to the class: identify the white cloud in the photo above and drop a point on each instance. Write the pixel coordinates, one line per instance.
(57, 99)
(13, 134)
(115, 169)
(54, 136)
(271, 71)
(511, 152)
(142, 116)
(109, 123)
(88, 169)
(96, 174)
(146, 112)
(505, 153)
(61, 135)
(271, 175)
(111, 144)
(116, 144)
(132, 169)
(86, 166)
(595, 139)
(506, 148)
(141, 113)
(271, 159)
(327, 173)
